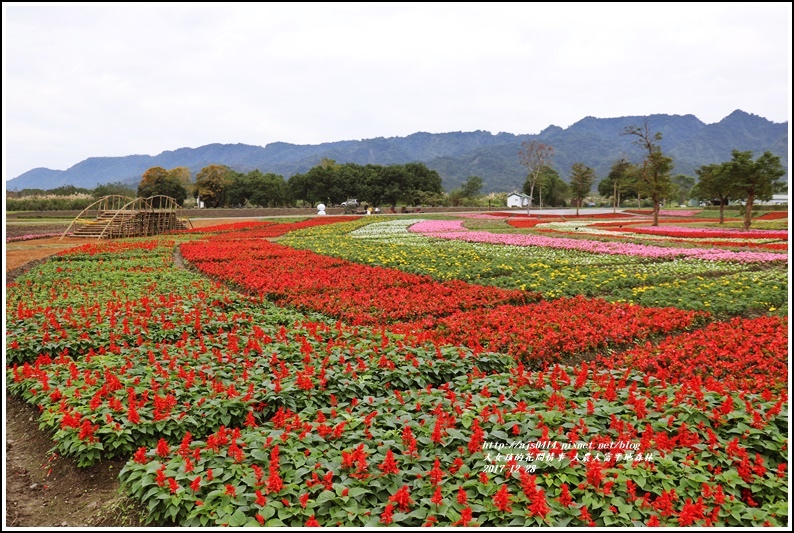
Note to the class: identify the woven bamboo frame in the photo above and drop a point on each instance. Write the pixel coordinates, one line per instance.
(119, 217)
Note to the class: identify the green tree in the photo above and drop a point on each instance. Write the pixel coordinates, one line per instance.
(421, 183)
(550, 185)
(389, 185)
(534, 155)
(211, 183)
(472, 187)
(117, 188)
(682, 187)
(256, 188)
(618, 182)
(653, 176)
(159, 181)
(754, 180)
(582, 178)
(714, 183)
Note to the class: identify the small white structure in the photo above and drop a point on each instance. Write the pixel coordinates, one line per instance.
(320, 209)
(517, 199)
(777, 199)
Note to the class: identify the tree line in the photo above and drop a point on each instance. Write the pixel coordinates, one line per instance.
(328, 182)
(741, 178)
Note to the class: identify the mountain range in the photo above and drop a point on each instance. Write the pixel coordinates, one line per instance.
(596, 142)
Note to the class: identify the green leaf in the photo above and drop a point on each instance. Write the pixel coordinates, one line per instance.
(356, 492)
(238, 519)
(267, 512)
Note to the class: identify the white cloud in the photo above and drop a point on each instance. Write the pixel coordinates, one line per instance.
(116, 79)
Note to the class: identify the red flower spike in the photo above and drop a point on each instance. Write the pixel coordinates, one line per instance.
(389, 465)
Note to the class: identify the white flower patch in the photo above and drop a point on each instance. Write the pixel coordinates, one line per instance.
(379, 230)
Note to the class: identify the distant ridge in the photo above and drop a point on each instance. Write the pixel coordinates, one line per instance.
(595, 142)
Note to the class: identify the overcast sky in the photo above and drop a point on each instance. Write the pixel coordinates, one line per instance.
(120, 79)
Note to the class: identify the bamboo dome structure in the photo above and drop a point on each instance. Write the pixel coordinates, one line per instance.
(118, 217)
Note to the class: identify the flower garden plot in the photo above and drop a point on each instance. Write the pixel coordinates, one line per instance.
(347, 395)
(710, 233)
(721, 287)
(552, 331)
(232, 226)
(571, 447)
(128, 373)
(447, 230)
(458, 313)
(753, 292)
(359, 294)
(771, 239)
(743, 354)
(773, 215)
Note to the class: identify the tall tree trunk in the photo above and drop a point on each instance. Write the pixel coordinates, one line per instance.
(722, 210)
(639, 202)
(748, 211)
(614, 196)
(531, 192)
(655, 212)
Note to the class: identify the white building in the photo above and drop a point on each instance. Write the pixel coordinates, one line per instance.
(777, 199)
(517, 199)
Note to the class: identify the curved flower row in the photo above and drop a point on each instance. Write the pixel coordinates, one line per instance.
(744, 354)
(461, 312)
(721, 287)
(450, 229)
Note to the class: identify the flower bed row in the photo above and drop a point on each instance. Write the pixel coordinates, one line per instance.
(454, 230)
(742, 354)
(723, 288)
(573, 447)
(457, 312)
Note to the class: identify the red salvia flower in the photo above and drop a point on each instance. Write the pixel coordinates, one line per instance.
(274, 482)
(140, 456)
(462, 498)
(465, 517)
(691, 512)
(477, 437)
(386, 515)
(402, 498)
(162, 448)
(436, 473)
(231, 490)
(565, 498)
(312, 522)
(389, 465)
(437, 499)
(161, 476)
(502, 499)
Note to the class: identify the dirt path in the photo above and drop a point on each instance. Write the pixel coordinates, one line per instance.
(20, 253)
(43, 489)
